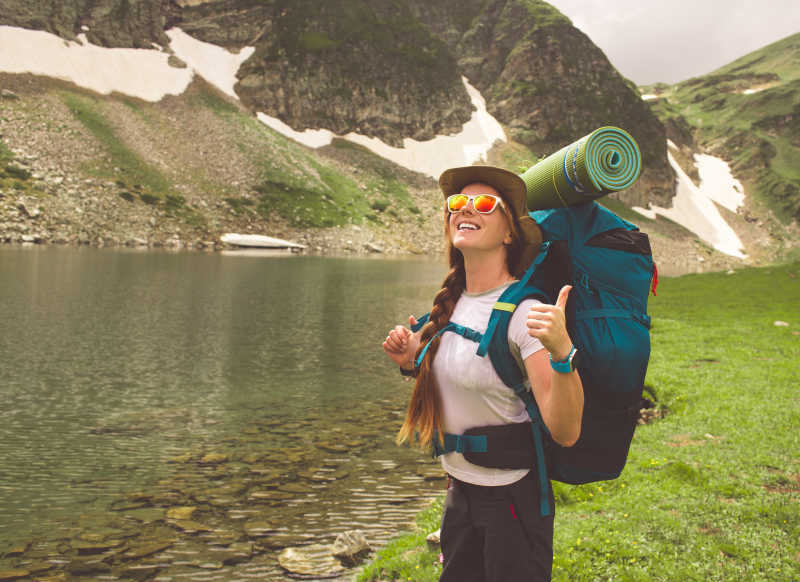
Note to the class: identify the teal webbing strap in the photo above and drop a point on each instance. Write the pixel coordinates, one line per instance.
(537, 426)
(461, 443)
(541, 467)
(425, 349)
(483, 347)
(461, 330)
(421, 322)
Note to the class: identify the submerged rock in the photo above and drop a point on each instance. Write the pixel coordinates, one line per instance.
(13, 574)
(236, 553)
(180, 512)
(257, 529)
(149, 549)
(190, 527)
(145, 514)
(314, 561)
(88, 567)
(88, 548)
(140, 571)
(184, 458)
(214, 459)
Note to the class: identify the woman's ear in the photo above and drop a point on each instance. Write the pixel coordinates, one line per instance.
(508, 238)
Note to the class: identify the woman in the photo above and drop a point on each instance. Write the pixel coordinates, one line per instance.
(492, 529)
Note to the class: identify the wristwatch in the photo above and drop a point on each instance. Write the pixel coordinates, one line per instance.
(412, 373)
(566, 365)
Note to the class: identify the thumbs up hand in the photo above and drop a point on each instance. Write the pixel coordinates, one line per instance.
(548, 323)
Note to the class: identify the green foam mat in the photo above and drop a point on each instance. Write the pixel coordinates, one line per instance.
(607, 160)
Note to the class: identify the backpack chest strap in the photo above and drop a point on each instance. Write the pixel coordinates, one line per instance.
(462, 330)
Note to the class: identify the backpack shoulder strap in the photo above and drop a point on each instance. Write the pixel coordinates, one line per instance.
(508, 301)
(495, 344)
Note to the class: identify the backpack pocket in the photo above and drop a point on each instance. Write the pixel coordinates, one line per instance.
(614, 347)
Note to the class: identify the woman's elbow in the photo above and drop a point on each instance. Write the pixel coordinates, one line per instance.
(568, 440)
(569, 435)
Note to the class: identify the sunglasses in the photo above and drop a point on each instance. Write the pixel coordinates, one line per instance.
(483, 203)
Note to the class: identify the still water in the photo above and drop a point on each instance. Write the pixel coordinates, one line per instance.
(251, 390)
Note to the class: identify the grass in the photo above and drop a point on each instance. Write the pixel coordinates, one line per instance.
(710, 491)
(313, 192)
(132, 168)
(14, 177)
(6, 155)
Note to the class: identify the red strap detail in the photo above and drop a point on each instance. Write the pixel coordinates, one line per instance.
(655, 279)
(513, 513)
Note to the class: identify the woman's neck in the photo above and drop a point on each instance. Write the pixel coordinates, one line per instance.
(484, 272)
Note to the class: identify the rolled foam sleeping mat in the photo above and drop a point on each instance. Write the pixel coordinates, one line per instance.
(607, 160)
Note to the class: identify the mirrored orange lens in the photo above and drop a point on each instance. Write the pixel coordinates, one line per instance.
(484, 203)
(456, 202)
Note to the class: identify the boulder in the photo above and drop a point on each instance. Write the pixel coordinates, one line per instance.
(350, 546)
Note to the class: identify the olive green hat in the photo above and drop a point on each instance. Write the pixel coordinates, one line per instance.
(514, 193)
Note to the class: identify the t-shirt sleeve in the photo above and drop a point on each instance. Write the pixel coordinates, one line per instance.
(518, 330)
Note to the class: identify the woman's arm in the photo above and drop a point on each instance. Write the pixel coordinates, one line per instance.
(559, 395)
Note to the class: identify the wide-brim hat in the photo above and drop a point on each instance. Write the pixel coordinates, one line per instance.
(514, 193)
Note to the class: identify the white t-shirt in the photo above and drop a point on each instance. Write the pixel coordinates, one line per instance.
(472, 394)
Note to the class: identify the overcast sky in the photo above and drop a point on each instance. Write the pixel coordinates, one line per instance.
(674, 40)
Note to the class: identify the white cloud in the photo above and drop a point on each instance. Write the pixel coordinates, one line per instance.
(653, 40)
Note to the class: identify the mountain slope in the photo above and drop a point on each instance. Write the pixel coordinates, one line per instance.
(747, 112)
(82, 168)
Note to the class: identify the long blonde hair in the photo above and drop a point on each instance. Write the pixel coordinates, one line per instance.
(424, 409)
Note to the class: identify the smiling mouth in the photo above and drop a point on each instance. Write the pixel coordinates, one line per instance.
(467, 226)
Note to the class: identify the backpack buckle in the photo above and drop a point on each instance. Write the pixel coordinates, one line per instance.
(582, 280)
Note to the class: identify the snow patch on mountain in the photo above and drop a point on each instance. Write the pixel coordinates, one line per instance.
(694, 206)
(142, 73)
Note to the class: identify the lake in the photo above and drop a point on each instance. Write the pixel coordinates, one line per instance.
(186, 415)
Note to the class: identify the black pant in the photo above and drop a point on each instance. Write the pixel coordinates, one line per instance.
(496, 534)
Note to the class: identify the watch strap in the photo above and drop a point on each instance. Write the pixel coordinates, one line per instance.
(564, 366)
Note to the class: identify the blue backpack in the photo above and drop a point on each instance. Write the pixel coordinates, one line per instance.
(609, 263)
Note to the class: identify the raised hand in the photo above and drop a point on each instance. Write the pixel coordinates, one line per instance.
(548, 323)
(401, 344)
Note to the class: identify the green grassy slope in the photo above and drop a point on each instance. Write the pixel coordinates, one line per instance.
(748, 112)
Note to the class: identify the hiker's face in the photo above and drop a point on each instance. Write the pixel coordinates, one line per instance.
(470, 230)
